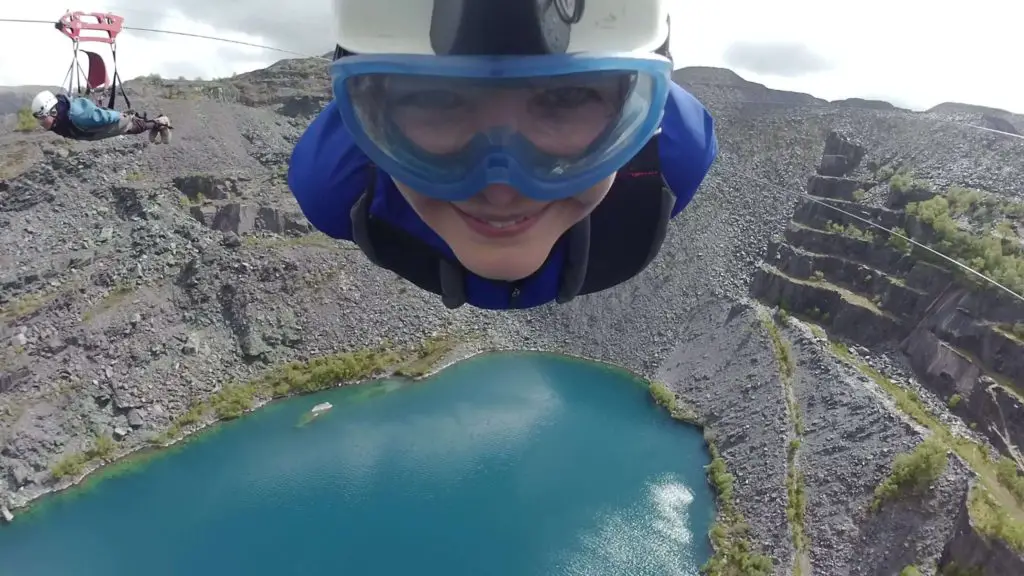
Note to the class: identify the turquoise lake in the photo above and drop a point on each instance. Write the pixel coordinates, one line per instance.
(503, 465)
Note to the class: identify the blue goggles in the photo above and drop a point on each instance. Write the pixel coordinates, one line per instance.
(550, 126)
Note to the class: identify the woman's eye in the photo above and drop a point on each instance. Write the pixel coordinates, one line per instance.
(569, 97)
(433, 99)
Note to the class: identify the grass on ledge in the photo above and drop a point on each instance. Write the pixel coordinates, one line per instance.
(913, 473)
(734, 552)
(102, 448)
(665, 398)
(999, 479)
(293, 378)
(317, 374)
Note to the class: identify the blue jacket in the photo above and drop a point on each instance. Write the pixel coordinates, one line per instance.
(328, 174)
(77, 117)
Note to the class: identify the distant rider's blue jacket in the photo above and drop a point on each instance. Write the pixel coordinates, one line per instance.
(328, 175)
(77, 118)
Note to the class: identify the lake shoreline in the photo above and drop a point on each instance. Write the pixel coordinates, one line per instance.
(461, 352)
(528, 406)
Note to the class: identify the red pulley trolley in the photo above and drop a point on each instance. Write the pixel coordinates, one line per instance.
(98, 27)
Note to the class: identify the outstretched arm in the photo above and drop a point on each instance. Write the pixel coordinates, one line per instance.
(86, 115)
(327, 174)
(687, 145)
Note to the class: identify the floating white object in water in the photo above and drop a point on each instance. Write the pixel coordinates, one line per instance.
(6, 515)
(322, 407)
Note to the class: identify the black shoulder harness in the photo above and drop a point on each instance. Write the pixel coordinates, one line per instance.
(611, 245)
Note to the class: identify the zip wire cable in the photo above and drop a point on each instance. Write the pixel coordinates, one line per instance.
(805, 196)
(909, 158)
(953, 261)
(186, 34)
(303, 55)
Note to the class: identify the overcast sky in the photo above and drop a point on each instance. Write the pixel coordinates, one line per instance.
(914, 53)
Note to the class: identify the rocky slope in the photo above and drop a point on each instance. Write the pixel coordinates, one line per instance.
(948, 352)
(138, 280)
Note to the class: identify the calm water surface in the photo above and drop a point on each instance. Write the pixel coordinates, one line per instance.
(510, 464)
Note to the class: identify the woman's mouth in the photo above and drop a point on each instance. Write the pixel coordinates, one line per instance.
(500, 226)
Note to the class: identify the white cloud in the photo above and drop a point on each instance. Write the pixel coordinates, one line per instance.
(911, 52)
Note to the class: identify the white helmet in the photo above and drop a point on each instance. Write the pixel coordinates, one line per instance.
(500, 26)
(43, 104)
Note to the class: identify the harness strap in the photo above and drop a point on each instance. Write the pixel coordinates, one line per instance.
(396, 250)
(577, 259)
(118, 85)
(630, 224)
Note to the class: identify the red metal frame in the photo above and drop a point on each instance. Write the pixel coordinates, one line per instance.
(72, 25)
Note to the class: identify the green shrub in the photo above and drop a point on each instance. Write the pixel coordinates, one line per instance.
(26, 121)
(734, 553)
(233, 400)
(913, 472)
(103, 448)
(954, 401)
(991, 254)
(1010, 478)
(993, 520)
(662, 395)
(899, 242)
(901, 182)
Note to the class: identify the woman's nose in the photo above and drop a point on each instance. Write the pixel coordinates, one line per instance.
(499, 195)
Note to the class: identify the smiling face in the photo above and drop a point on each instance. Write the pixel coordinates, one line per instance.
(501, 234)
(46, 122)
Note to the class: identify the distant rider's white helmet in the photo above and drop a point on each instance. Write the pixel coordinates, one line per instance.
(43, 104)
(439, 26)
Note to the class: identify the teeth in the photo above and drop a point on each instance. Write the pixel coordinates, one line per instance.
(504, 223)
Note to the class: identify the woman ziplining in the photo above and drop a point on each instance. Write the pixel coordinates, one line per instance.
(78, 117)
(503, 153)
(366, 170)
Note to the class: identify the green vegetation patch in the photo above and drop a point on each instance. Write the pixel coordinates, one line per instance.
(1012, 331)
(992, 519)
(426, 356)
(111, 300)
(851, 231)
(102, 448)
(293, 378)
(995, 252)
(796, 506)
(1004, 509)
(913, 473)
(26, 121)
(665, 398)
(796, 493)
(783, 351)
(735, 554)
(25, 305)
